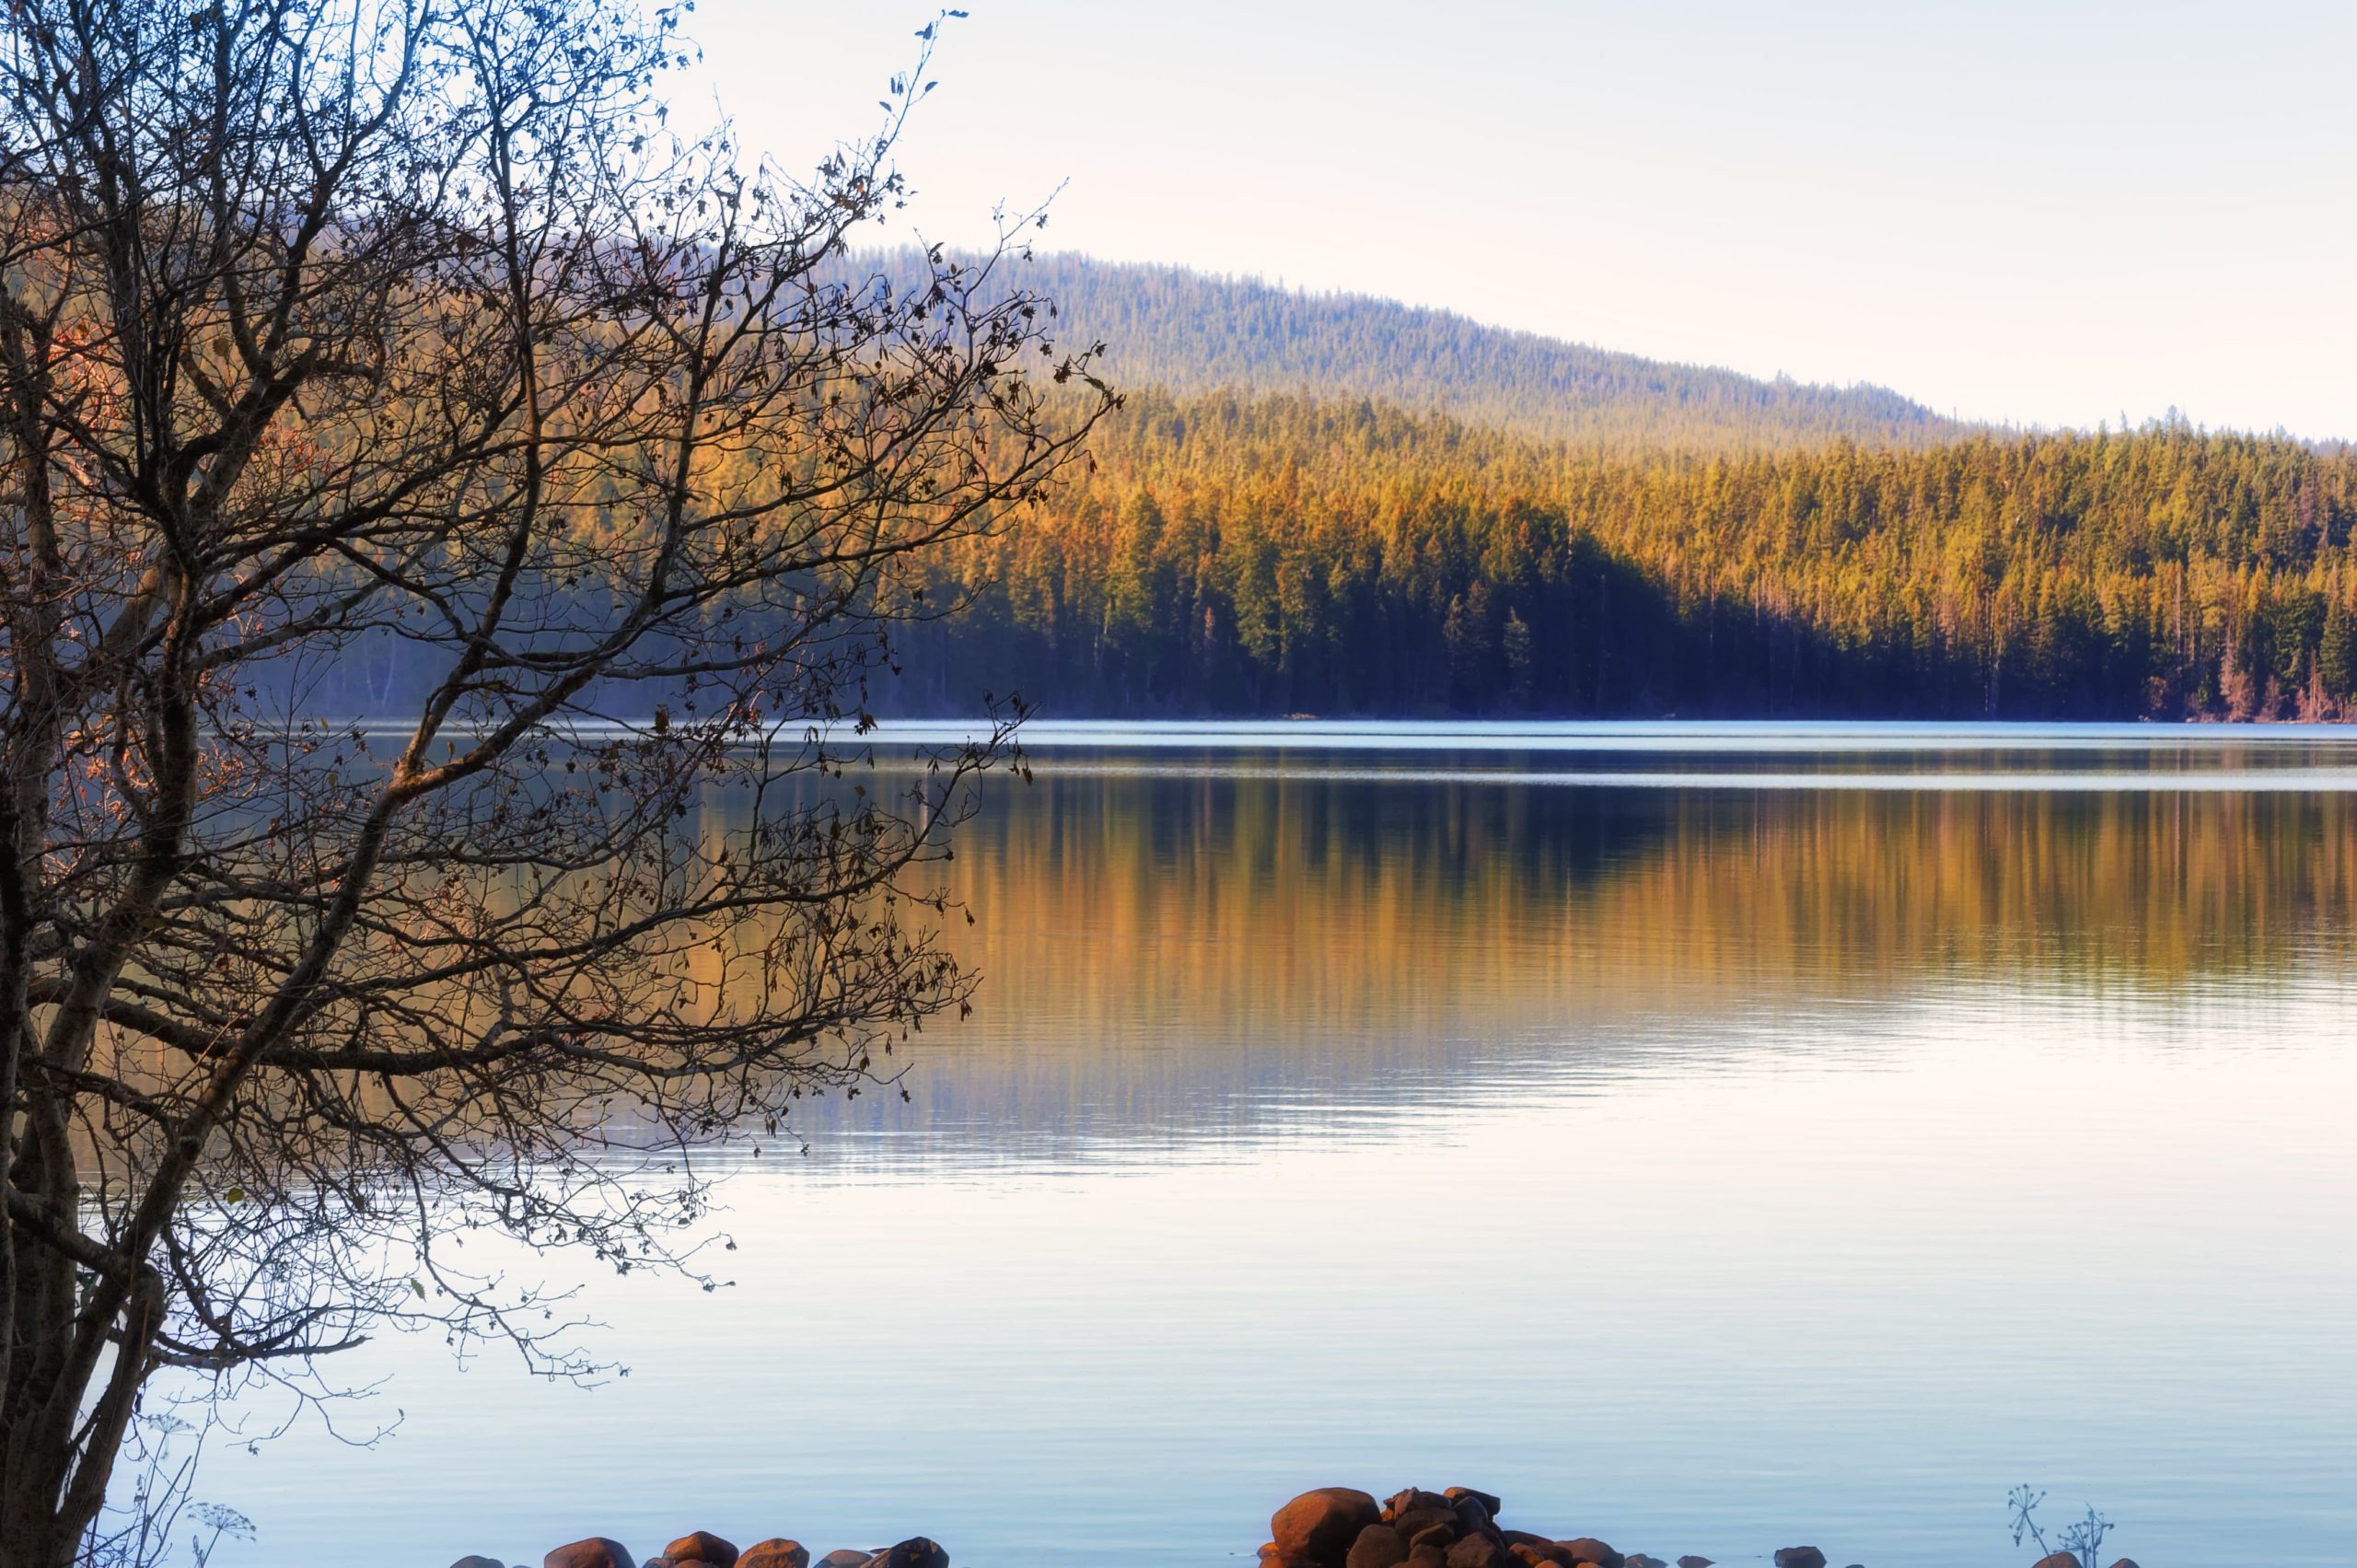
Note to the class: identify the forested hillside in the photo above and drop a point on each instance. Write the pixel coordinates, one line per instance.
(1188, 333)
(1266, 552)
(1279, 554)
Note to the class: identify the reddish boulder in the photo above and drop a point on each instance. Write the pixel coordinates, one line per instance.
(595, 1553)
(2059, 1560)
(847, 1557)
(1427, 1557)
(702, 1546)
(1378, 1546)
(2125, 1563)
(776, 1552)
(1439, 1537)
(1270, 1557)
(1322, 1525)
(1587, 1548)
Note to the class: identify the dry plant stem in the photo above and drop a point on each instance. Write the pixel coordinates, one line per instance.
(386, 324)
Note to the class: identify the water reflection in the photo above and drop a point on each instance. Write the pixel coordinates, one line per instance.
(1710, 1167)
(1178, 955)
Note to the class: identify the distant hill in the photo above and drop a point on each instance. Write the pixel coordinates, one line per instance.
(1190, 332)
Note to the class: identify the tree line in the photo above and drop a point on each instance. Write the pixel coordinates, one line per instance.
(1233, 553)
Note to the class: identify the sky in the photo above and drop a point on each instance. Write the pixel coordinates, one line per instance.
(2054, 212)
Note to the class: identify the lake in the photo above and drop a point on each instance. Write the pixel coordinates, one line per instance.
(1712, 1138)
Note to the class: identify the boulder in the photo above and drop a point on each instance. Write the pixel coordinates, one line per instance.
(1690, 1561)
(595, 1553)
(1378, 1546)
(1415, 1500)
(1427, 1557)
(1322, 1525)
(2125, 1563)
(1587, 1548)
(846, 1558)
(1475, 1519)
(1416, 1521)
(2059, 1560)
(917, 1552)
(1639, 1560)
(1488, 1499)
(476, 1560)
(776, 1552)
(702, 1546)
(1439, 1537)
(1799, 1557)
(1479, 1552)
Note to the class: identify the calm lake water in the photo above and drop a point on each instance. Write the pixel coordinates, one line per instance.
(1711, 1138)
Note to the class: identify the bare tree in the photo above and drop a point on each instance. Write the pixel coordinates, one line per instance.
(334, 328)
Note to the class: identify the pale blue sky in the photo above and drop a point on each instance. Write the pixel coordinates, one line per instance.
(2053, 212)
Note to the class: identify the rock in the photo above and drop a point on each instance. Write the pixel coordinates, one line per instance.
(2125, 1563)
(1587, 1548)
(776, 1552)
(1416, 1521)
(1639, 1560)
(1414, 1500)
(595, 1553)
(1322, 1525)
(919, 1551)
(2058, 1560)
(478, 1560)
(1690, 1561)
(1439, 1537)
(1270, 1557)
(1378, 1546)
(1799, 1557)
(1427, 1557)
(1479, 1552)
(702, 1546)
(1488, 1499)
(846, 1558)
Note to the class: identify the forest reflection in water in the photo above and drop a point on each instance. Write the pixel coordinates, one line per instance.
(1178, 948)
(1713, 1166)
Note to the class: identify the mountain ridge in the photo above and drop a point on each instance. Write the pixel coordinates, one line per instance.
(1188, 332)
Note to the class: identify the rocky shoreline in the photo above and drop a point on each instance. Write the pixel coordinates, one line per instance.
(1333, 1527)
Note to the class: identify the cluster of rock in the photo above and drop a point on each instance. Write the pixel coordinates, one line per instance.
(1333, 1527)
(1337, 1527)
(704, 1550)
